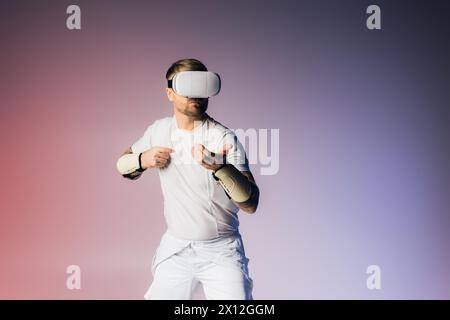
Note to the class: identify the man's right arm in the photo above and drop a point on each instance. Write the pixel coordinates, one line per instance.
(131, 165)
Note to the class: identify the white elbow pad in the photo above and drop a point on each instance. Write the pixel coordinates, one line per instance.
(234, 183)
(129, 163)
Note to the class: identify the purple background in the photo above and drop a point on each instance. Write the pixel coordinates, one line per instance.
(364, 149)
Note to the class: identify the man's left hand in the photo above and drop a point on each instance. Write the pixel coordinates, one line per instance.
(208, 159)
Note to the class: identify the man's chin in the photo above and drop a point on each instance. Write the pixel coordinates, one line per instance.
(195, 111)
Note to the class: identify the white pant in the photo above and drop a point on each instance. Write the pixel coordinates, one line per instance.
(219, 265)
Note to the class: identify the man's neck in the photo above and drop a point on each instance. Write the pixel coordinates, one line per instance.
(188, 123)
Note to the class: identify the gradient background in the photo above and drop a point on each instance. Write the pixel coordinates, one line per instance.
(364, 142)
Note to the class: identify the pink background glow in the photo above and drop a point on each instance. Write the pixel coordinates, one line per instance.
(363, 121)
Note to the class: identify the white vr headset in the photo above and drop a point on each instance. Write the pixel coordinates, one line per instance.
(195, 84)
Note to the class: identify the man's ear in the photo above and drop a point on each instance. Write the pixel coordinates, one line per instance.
(170, 94)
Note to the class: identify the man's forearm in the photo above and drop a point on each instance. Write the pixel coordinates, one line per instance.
(130, 175)
(132, 165)
(240, 186)
(251, 204)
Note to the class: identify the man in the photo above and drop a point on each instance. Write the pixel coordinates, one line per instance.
(205, 179)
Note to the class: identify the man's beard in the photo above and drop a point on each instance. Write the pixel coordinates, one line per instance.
(192, 110)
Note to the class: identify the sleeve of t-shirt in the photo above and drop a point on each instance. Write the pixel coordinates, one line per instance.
(144, 142)
(236, 155)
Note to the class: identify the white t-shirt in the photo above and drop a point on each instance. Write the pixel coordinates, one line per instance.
(195, 206)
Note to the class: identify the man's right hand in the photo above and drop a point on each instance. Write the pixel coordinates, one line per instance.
(156, 157)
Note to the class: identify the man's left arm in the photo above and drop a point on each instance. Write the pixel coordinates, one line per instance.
(239, 185)
(251, 204)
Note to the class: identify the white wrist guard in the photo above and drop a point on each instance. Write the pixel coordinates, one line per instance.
(129, 163)
(235, 184)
